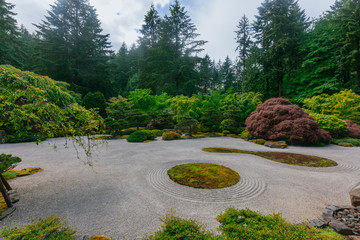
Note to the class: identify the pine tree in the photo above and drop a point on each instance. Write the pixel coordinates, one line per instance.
(72, 46)
(279, 29)
(227, 73)
(244, 43)
(10, 46)
(120, 69)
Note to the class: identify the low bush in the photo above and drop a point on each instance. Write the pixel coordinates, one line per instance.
(353, 129)
(41, 229)
(138, 136)
(247, 224)
(178, 228)
(245, 135)
(278, 119)
(7, 160)
(167, 136)
(260, 141)
(353, 141)
(331, 123)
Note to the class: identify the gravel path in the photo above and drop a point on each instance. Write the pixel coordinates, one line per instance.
(127, 190)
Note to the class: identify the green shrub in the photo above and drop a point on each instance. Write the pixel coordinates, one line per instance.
(345, 105)
(167, 136)
(260, 141)
(245, 135)
(6, 160)
(226, 132)
(151, 135)
(95, 100)
(354, 141)
(52, 228)
(138, 136)
(156, 132)
(330, 123)
(247, 224)
(178, 228)
(34, 107)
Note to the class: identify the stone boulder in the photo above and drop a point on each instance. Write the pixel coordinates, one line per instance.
(355, 197)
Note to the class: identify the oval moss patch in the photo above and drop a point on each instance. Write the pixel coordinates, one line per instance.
(204, 175)
(282, 157)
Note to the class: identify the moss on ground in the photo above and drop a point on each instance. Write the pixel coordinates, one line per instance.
(282, 157)
(203, 175)
(19, 173)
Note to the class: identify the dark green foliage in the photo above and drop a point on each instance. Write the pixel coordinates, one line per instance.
(10, 45)
(188, 124)
(279, 28)
(97, 101)
(52, 228)
(354, 141)
(211, 120)
(232, 120)
(178, 228)
(7, 160)
(34, 107)
(141, 136)
(168, 136)
(247, 224)
(135, 117)
(72, 48)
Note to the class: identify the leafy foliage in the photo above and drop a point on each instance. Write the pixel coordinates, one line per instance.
(7, 160)
(168, 136)
(330, 123)
(52, 228)
(354, 141)
(178, 228)
(247, 224)
(141, 136)
(34, 107)
(353, 129)
(279, 119)
(97, 101)
(188, 124)
(345, 105)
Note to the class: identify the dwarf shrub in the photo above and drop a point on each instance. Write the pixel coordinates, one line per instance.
(167, 136)
(7, 160)
(41, 229)
(331, 123)
(138, 136)
(279, 119)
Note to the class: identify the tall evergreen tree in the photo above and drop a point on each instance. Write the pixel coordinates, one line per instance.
(10, 46)
(280, 28)
(227, 73)
(348, 19)
(72, 46)
(120, 70)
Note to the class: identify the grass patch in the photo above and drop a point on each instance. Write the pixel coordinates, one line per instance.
(203, 175)
(353, 141)
(282, 157)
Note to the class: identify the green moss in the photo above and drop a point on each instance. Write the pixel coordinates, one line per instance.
(282, 157)
(260, 141)
(20, 173)
(203, 175)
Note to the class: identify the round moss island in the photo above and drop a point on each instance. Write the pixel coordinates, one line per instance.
(204, 175)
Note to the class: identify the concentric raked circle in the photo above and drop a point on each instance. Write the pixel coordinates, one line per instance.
(247, 188)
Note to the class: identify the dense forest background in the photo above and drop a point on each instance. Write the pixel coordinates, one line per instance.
(281, 53)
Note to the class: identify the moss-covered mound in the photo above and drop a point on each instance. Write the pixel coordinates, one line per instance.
(34, 107)
(282, 157)
(203, 175)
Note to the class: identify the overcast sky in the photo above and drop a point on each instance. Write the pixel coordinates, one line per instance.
(216, 20)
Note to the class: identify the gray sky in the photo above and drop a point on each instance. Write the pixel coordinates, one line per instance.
(216, 20)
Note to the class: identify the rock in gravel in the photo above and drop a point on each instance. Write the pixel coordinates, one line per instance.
(319, 223)
(355, 197)
(340, 227)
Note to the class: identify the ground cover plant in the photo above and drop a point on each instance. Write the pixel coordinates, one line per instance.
(203, 175)
(282, 157)
(7, 160)
(241, 224)
(278, 119)
(353, 141)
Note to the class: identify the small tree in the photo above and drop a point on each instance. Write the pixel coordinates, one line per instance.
(189, 124)
(232, 121)
(95, 100)
(211, 119)
(136, 118)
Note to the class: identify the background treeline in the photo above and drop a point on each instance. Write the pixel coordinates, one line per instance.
(282, 53)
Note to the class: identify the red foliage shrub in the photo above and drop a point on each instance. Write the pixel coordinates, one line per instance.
(353, 129)
(279, 119)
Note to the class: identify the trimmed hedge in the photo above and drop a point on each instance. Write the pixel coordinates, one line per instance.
(168, 136)
(141, 136)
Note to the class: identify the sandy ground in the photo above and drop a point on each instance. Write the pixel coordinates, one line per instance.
(126, 191)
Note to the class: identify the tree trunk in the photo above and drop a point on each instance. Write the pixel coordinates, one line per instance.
(4, 193)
